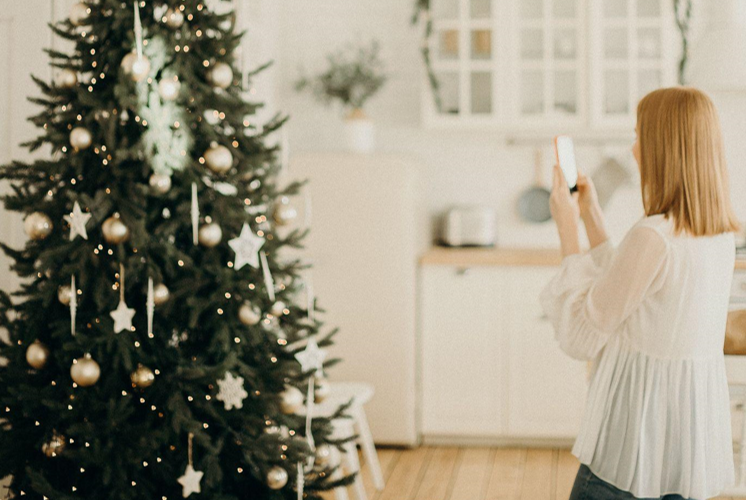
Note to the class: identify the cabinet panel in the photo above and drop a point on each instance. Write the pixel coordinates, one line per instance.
(546, 389)
(463, 359)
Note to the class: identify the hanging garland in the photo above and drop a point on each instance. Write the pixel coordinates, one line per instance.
(423, 11)
(682, 15)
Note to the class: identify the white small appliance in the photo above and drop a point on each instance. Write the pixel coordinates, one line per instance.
(469, 226)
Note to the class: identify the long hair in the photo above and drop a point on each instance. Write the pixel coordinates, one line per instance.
(683, 169)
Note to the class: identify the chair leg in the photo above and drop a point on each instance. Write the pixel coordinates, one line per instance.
(341, 493)
(353, 465)
(369, 449)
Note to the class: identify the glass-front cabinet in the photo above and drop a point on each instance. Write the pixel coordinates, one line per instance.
(529, 64)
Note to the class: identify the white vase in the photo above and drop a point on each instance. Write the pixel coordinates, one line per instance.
(360, 133)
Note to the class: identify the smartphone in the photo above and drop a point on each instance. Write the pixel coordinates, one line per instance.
(566, 158)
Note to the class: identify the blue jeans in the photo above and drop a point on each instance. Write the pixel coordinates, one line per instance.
(589, 487)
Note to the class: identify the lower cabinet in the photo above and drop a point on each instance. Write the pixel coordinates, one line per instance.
(490, 365)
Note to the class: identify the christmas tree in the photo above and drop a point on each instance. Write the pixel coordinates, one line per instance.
(160, 347)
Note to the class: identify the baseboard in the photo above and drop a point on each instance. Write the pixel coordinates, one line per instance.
(445, 440)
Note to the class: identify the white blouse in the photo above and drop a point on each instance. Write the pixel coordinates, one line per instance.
(652, 316)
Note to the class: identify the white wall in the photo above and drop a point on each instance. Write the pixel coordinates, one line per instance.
(460, 167)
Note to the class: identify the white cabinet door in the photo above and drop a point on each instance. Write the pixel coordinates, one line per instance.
(546, 388)
(463, 386)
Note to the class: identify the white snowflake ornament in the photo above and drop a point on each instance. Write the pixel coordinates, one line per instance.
(231, 391)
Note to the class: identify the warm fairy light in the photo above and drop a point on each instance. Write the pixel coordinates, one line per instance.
(220, 311)
(206, 63)
(237, 340)
(181, 263)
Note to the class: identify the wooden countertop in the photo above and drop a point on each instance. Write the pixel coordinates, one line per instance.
(472, 257)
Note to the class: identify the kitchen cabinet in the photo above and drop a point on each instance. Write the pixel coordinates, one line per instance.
(542, 64)
(490, 366)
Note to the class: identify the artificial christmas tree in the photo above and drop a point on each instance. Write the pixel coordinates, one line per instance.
(157, 346)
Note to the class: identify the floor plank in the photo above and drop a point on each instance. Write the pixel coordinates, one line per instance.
(567, 469)
(473, 474)
(538, 475)
(437, 480)
(507, 474)
(407, 474)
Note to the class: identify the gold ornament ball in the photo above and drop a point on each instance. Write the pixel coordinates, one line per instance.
(218, 159)
(115, 231)
(291, 400)
(80, 138)
(79, 13)
(66, 78)
(160, 294)
(37, 355)
(221, 75)
(137, 67)
(85, 371)
(284, 214)
(277, 477)
(37, 226)
(55, 446)
(143, 377)
(326, 456)
(64, 295)
(168, 88)
(322, 390)
(160, 183)
(174, 18)
(209, 235)
(249, 314)
(277, 308)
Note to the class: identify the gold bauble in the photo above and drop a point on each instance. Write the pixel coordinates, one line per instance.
(326, 456)
(209, 235)
(160, 183)
(168, 88)
(277, 477)
(291, 400)
(278, 308)
(55, 445)
(64, 295)
(115, 231)
(218, 159)
(37, 225)
(174, 18)
(249, 314)
(37, 355)
(143, 377)
(80, 138)
(85, 371)
(221, 75)
(136, 67)
(79, 14)
(160, 294)
(284, 214)
(322, 389)
(66, 78)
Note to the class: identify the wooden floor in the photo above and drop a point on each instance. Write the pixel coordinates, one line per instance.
(435, 473)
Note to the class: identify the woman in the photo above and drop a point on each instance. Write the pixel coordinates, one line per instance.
(651, 314)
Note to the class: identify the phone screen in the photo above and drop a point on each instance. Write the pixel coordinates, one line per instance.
(567, 159)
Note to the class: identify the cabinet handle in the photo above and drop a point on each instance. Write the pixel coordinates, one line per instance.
(543, 317)
(462, 271)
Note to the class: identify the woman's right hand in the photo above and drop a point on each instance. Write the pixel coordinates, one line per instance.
(590, 211)
(588, 203)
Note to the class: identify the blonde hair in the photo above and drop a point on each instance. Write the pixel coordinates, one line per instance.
(683, 169)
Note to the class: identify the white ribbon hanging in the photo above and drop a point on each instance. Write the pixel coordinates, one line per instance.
(299, 481)
(138, 31)
(269, 284)
(151, 306)
(195, 213)
(73, 304)
(307, 284)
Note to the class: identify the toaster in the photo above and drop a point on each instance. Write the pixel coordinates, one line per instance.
(466, 226)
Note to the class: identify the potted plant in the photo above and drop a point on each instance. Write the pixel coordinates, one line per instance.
(353, 76)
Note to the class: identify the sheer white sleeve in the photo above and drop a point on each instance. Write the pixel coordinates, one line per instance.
(591, 297)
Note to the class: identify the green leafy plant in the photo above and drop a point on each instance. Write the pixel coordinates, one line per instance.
(354, 75)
